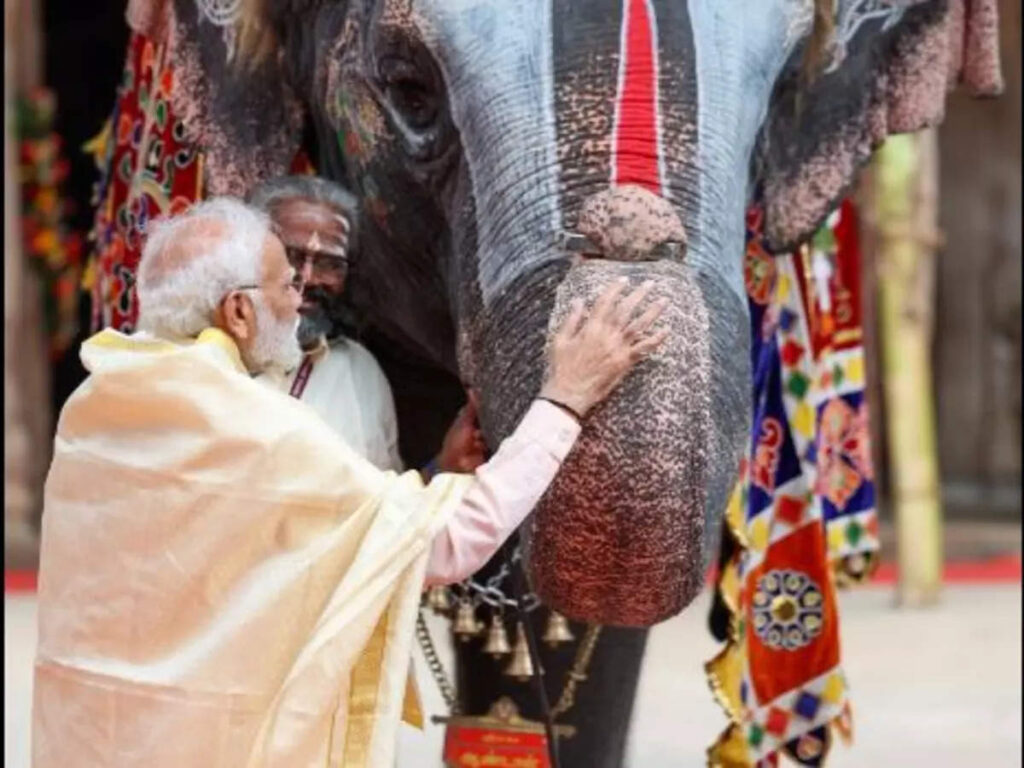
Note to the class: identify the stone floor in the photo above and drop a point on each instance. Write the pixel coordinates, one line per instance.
(936, 688)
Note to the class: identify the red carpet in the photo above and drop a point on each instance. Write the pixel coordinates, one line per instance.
(1003, 569)
(19, 581)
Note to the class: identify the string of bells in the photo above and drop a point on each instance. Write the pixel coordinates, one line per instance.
(466, 625)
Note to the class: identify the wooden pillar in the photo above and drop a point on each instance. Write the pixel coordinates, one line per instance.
(902, 211)
(27, 422)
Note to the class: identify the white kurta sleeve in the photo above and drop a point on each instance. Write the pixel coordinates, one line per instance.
(376, 403)
(505, 490)
(389, 420)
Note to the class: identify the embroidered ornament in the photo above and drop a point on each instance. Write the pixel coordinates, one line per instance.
(787, 610)
(223, 14)
(220, 13)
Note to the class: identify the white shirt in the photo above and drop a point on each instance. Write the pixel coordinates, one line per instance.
(348, 389)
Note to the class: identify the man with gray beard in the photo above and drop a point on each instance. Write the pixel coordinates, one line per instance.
(223, 581)
(338, 377)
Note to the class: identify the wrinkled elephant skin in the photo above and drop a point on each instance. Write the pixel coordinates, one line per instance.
(478, 134)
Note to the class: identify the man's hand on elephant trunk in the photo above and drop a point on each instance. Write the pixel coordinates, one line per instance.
(589, 356)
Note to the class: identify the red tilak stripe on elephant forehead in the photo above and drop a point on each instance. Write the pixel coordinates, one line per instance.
(636, 143)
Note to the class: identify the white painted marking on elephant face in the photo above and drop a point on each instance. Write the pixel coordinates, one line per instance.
(852, 15)
(657, 95)
(801, 18)
(496, 58)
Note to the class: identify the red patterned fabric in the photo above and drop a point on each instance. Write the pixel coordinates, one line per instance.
(149, 169)
(802, 520)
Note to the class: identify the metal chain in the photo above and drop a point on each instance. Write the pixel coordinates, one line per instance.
(578, 673)
(491, 594)
(435, 666)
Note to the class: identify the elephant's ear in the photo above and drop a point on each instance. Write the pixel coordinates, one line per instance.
(241, 112)
(891, 67)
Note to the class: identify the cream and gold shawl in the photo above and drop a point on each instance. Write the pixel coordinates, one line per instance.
(223, 581)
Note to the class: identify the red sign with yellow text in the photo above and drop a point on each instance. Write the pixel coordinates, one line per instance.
(468, 746)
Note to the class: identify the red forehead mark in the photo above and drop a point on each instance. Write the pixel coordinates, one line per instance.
(636, 142)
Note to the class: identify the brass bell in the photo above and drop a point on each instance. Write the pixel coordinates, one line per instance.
(557, 630)
(497, 638)
(521, 666)
(466, 625)
(438, 600)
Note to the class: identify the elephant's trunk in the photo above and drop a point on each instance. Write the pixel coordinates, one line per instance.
(620, 537)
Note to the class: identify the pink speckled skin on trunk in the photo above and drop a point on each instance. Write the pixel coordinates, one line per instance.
(619, 536)
(476, 133)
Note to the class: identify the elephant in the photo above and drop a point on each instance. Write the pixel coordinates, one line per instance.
(511, 156)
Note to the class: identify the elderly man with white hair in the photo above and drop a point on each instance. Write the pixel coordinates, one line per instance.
(338, 378)
(223, 581)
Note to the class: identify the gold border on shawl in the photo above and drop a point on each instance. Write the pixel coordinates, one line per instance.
(219, 338)
(412, 703)
(364, 694)
(412, 706)
(108, 338)
(364, 688)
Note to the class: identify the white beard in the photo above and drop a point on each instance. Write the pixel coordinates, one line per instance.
(276, 345)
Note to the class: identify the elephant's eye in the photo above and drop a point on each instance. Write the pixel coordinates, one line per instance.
(411, 94)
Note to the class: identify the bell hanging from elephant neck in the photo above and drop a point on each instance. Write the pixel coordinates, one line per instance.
(497, 638)
(557, 630)
(466, 625)
(438, 600)
(521, 665)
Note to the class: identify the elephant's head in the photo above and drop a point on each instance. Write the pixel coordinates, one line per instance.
(510, 155)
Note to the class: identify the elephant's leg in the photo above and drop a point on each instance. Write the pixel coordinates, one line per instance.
(604, 701)
(604, 705)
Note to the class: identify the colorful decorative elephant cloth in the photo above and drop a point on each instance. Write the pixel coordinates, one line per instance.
(150, 166)
(802, 519)
(148, 170)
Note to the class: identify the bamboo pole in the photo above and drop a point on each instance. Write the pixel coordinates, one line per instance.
(904, 208)
(869, 246)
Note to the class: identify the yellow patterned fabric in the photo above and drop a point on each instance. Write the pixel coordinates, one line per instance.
(223, 582)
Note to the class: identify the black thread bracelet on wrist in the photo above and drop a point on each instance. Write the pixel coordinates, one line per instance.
(563, 406)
